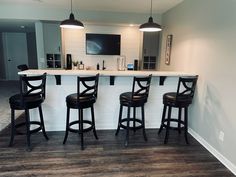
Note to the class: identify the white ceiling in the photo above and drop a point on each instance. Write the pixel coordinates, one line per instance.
(132, 6)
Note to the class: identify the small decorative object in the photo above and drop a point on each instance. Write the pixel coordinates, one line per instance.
(130, 66)
(75, 64)
(98, 66)
(81, 65)
(168, 48)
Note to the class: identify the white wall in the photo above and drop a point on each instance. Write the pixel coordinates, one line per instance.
(204, 42)
(74, 43)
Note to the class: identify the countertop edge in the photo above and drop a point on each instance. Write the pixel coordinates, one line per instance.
(103, 73)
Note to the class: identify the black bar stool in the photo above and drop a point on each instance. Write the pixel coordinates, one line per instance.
(180, 99)
(32, 95)
(137, 98)
(81, 100)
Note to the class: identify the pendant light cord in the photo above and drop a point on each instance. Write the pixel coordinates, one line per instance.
(151, 8)
(71, 6)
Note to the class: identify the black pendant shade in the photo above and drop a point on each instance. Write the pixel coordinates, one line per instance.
(72, 22)
(150, 26)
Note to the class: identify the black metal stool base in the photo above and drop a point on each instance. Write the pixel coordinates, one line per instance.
(27, 124)
(136, 123)
(182, 124)
(81, 124)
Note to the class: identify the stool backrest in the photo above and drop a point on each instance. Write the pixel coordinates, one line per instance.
(141, 86)
(22, 67)
(33, 86)
(186, 87)
(90, 86)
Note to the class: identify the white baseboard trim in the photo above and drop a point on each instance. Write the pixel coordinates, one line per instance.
(213, 151)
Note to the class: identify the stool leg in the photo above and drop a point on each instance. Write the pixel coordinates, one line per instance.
(119, 121)
(168, 125)
(143, 122)
(67, 125)
(127, 128)
(93, 122)
(13, 128)
(134, 117)
(27, 122)
(42, 122)
(179, 120)
(162, 119)
(186, 124)
(81, 128)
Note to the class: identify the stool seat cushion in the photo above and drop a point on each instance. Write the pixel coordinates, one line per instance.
(170, 98)
(85, 100)
(126, 98)
(31, 101)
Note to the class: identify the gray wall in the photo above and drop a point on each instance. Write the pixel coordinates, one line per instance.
(2, 63)
(204, 43)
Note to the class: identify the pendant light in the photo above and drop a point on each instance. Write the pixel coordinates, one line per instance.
(150, 26)
(71, 22)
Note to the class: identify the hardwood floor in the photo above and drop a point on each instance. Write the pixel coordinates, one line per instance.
(108, 156)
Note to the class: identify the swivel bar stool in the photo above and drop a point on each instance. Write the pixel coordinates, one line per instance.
(84, 98)
(137, 98)
(180, 99)
(32, 95)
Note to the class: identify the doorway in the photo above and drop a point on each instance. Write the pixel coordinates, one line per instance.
(15, 53)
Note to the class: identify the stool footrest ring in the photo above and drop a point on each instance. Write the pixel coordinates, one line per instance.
(84, 129)
(32, 130)
(131, 120)
(164, 123)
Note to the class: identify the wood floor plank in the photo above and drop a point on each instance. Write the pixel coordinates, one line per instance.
(108, 156)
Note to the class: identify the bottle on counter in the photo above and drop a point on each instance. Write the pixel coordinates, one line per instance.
(98, 66)
(81, 65)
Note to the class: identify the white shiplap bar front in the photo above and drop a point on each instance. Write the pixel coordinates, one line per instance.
(107, 105)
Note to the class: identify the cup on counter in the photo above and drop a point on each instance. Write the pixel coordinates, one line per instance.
(121, 63)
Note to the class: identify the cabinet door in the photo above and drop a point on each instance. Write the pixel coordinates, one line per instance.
(53, 60)
(50, 61)
(150, 44)
(57, 58)
(149, 62)
(150, 50)
(52, 38)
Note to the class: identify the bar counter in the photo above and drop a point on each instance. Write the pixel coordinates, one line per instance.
(104, 72)
(111, 85)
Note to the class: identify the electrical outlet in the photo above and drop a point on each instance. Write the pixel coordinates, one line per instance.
(221, 136)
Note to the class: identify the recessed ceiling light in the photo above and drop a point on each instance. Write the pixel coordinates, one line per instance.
(38, 0)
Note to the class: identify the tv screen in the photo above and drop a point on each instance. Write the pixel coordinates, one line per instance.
(102, 44)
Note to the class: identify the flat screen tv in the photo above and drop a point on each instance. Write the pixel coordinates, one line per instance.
(102, 44)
